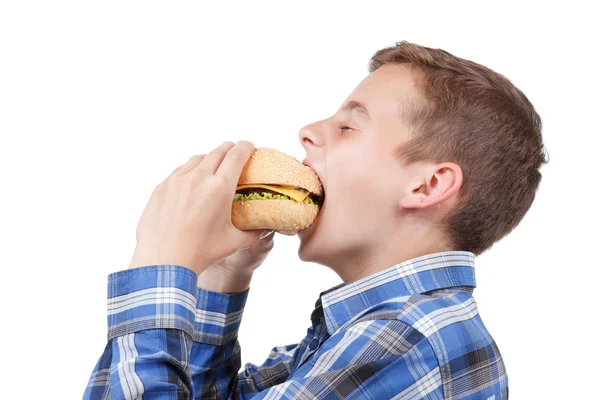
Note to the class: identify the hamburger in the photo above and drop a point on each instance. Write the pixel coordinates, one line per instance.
(276, 191)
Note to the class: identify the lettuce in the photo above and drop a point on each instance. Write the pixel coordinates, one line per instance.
(267, 196)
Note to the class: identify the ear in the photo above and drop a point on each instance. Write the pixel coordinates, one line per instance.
(437, 184)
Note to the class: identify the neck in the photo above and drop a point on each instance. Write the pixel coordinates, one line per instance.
(380, 256)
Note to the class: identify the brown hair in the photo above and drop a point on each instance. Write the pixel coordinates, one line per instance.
(475, 117)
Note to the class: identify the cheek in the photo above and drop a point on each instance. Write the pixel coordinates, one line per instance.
(349, 177)
(362, 168)
(367, 181)
(354, 185)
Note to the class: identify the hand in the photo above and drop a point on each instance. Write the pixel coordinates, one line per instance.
(233, 274)
(247, 260)
(187, 220)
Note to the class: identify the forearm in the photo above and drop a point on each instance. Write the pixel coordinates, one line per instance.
(151, 317)
(218, 280)
(215, 358)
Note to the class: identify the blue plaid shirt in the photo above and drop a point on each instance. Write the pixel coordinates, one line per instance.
(410, 331)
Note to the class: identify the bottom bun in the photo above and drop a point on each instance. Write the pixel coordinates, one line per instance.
(284, 216)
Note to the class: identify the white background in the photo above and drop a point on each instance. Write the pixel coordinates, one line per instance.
(100, 101)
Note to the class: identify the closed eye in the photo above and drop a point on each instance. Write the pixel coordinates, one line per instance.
(346, 128)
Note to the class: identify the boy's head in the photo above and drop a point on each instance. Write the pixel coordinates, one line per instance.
(445, 155)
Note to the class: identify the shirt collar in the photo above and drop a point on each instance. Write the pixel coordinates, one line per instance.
(418, 275)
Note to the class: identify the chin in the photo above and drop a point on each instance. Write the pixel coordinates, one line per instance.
(303, 255)
(305, 250)
(315, 253)
(314, 245)
(306, 254)
(309, 244)
(315, 242)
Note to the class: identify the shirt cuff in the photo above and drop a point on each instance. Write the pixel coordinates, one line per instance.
(218, 316)
(151, 297)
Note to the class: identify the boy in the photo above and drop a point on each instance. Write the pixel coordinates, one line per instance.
(429, 161)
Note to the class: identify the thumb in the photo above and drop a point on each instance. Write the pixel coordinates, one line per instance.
(257, 238)
(267, 234)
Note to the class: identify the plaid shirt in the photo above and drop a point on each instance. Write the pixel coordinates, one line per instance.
(411, 331)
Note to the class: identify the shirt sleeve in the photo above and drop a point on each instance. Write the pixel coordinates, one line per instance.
(216, 353)
(375, 359)
(151, 313)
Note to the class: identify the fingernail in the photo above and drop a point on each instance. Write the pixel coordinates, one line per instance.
(266, 233)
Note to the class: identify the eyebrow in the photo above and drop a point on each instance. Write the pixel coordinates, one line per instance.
(358, 106)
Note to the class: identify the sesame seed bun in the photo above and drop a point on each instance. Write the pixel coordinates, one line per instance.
(284, 216)
(271, 167)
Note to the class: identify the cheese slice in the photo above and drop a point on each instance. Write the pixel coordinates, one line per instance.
(297, 194)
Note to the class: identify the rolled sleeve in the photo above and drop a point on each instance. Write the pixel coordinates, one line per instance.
(218, 316)
(156, 296)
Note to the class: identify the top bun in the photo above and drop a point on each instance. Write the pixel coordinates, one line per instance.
(271, 167)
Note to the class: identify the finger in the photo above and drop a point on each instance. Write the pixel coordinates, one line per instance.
(249, 239)
(211, 162)
(262, 247)
(233, 163)
(267, 235)
(190, 164)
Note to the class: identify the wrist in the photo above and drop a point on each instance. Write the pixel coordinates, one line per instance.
(222, 281)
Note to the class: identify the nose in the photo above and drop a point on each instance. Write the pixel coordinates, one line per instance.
(310, 137)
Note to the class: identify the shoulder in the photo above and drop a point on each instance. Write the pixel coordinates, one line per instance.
(424, 315)
(433, 312)
(465, 350)
(438, 331)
